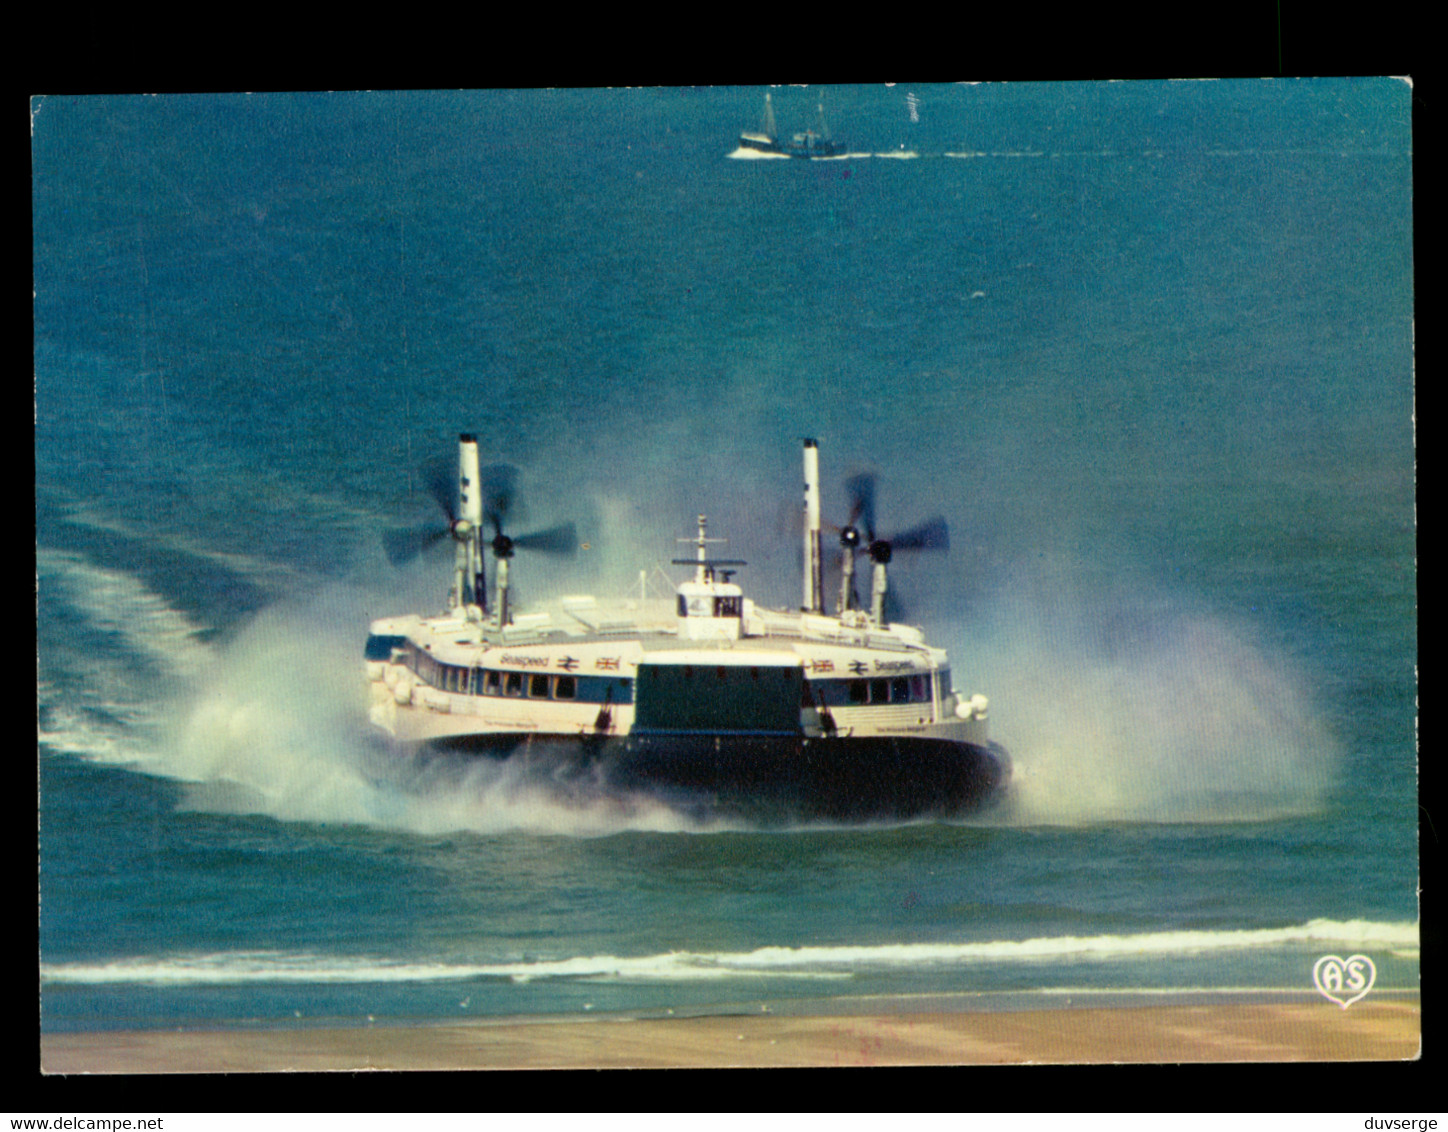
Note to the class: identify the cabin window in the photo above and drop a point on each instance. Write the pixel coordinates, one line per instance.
(879, 691)
(492, 683)
(900, 690)
(919, 690)
(683, 606)
(538, 686)
(592, 689)
(380, 646)
(513, 686)
(859, 692)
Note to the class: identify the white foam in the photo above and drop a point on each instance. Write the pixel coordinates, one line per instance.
(96, 701)
(121, 604)
(75, 733)
(821, 962)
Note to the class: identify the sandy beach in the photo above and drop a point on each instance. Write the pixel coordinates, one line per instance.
(1274, 1032)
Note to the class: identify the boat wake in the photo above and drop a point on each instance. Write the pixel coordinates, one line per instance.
(744, 153)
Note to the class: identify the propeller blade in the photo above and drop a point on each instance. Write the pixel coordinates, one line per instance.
(555, 540)
(441, 479)
(499, 484)
(405, 544)
(932, 535)
(862, 503)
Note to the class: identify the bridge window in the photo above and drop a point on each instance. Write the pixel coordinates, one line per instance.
(729, 606)
(380, 646)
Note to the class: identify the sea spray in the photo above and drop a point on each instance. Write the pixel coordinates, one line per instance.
(1144, 708)
(278, 727)
(274, 726)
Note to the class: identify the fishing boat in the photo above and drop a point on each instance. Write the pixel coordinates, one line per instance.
(766, 138)
(704, 697)
(809, 143)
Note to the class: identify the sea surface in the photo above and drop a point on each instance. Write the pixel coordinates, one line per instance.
(1147, 347)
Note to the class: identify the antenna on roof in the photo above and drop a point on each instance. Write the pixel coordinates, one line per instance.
(704, 566)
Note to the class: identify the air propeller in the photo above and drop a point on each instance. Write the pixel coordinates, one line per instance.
(497, 481)
(404, 544)
(933, 534)
(473, 497)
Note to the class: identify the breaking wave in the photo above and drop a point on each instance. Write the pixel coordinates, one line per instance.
(694, 966)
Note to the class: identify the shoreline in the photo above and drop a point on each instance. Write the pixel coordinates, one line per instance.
(1378, 1030)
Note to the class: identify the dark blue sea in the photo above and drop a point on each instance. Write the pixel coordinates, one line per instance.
(1147, 347)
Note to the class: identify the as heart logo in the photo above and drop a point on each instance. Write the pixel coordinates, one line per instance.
(1344, 981)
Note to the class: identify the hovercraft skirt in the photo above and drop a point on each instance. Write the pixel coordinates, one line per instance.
(779, 777)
